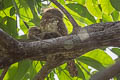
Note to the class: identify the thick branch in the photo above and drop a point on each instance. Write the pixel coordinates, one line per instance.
(69, 47)
(107, 73)
(11, 50)
(7, 41)
(92, 37)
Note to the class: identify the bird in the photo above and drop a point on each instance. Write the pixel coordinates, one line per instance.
(52, 26)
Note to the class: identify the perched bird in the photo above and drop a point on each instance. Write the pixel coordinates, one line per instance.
(34, 33)
(52, 21)
(52, 26)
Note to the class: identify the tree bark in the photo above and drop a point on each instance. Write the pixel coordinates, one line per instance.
(68, 47)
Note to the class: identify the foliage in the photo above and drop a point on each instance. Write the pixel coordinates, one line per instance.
(13, 14)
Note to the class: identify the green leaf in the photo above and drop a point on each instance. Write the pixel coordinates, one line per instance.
(25, 14)
(106, 6)
(116, 51)
(107, 18)
(80, 72)
(93, 8)
(11, 27)
(64, 75)
(81, 10)
(22, 3)
(85, 69)
(36, 66)
(116, 4)
(39, 6)
(5, 12)
(12, 11)
(91, 62)
(23, 67)
(36, 19)
(80, 20)
(11, 72)
(115, 15)
(100, 56)
(5, 4)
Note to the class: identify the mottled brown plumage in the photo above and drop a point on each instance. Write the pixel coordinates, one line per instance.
(52, 21)
(34, 33)
(52, 26)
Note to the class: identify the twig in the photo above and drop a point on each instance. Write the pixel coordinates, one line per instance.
(3, 73)
(73, 22)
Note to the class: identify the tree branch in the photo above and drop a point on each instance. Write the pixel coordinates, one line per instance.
(108, 72)
(7, 41)
(67, 47)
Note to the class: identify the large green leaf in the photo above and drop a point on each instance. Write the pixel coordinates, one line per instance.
(81, 10)
(28, 11)
(100, 56)
(93, 8)
(25, 14)
(36, 19)
(91, 62)
(34, 69)
(106, 6)
(64, 75)
(116, 4)
(23, 67)
(11, 27)
(6, 12)
(82, 21)
(79, 19)
(11, 72)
